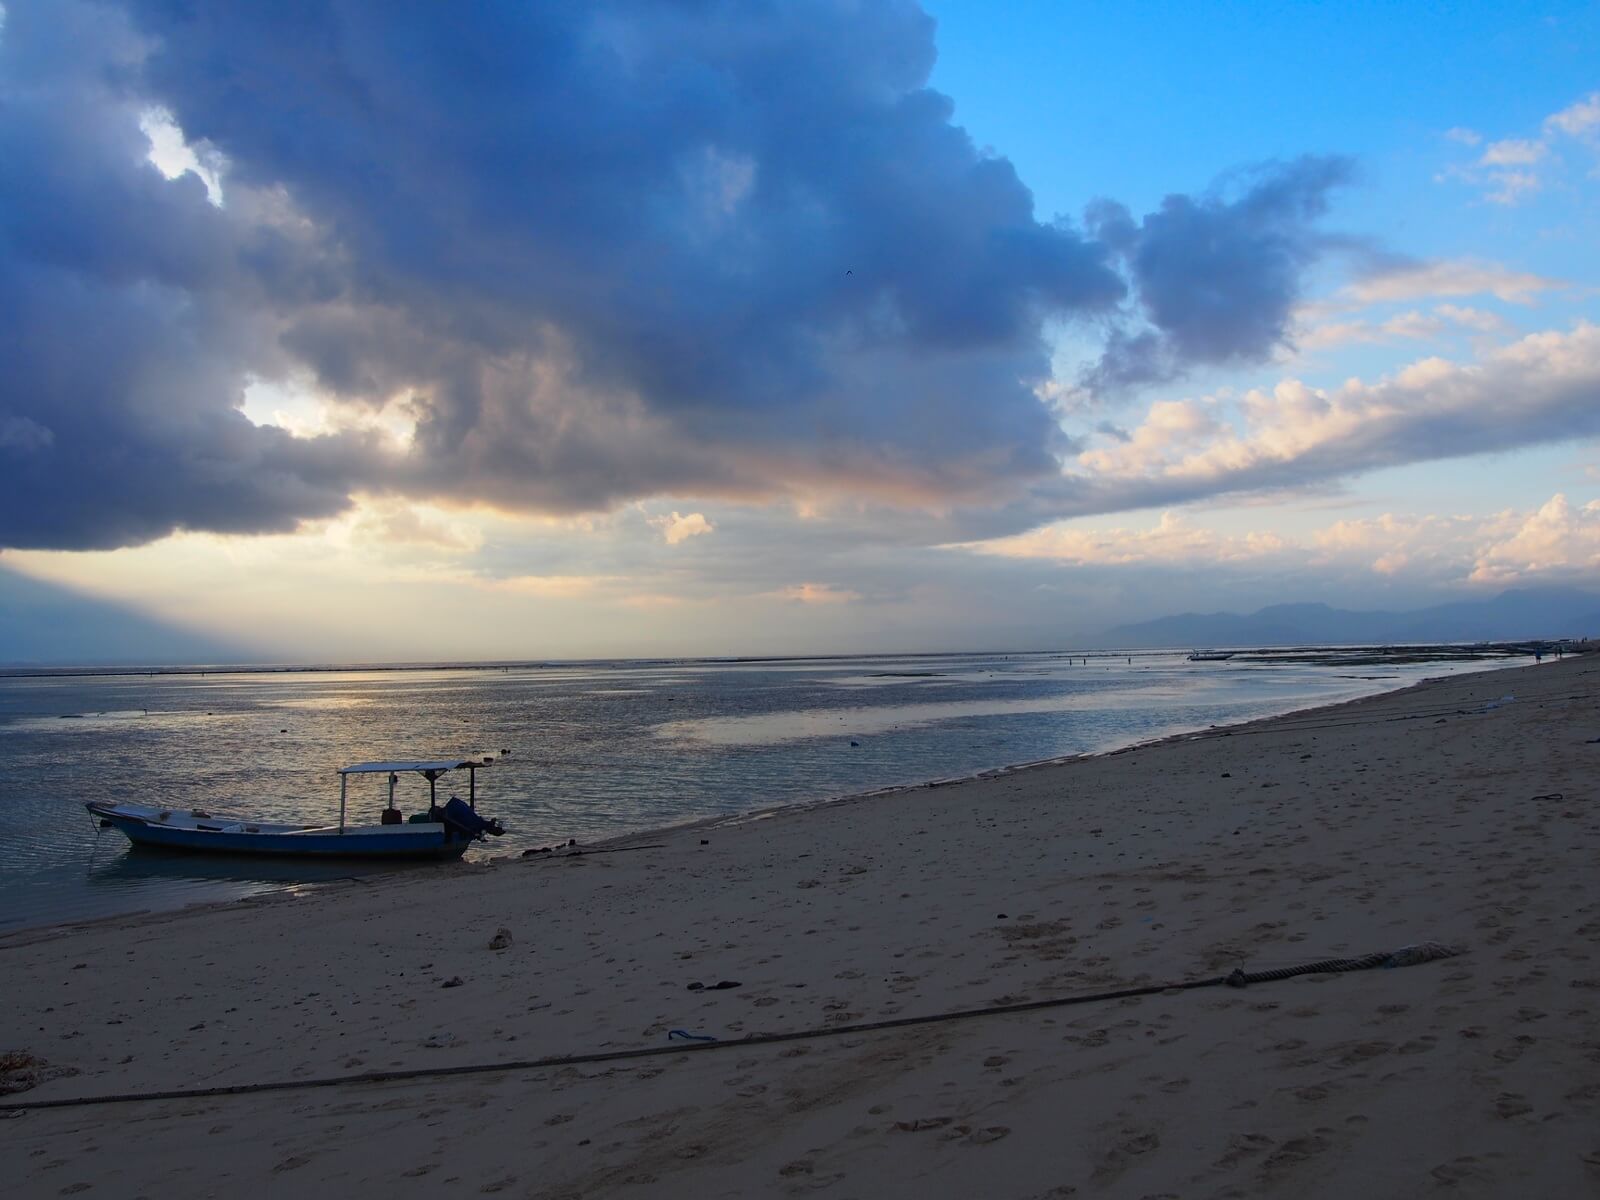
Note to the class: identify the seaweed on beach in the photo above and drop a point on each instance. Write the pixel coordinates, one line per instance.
(20, 1071)
(1392, 656)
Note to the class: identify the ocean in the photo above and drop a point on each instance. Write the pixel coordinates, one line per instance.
(582, 751)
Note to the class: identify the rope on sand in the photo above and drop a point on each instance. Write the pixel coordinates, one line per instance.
(1404, 957)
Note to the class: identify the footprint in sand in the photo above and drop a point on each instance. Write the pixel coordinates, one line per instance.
(983, 1137)
(1518, 1047)
(1511, 1104)
(1458, 1170)
(921, 1124)
(1295, 1151)
(1121, 1156)
(1363, 1051)
(1240, 1147)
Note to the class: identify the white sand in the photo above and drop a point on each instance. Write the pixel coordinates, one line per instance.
(1358, 828)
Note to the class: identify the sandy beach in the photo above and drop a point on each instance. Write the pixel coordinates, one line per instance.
(1444, 812)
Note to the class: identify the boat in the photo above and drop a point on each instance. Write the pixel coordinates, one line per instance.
(1212, 655)
(442, 831)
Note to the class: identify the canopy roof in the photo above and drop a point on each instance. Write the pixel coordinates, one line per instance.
(448, 764)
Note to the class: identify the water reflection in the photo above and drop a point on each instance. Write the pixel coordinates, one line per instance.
(130, 865)
(595, 749)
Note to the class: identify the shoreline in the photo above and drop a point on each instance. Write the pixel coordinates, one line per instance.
(50, 671)
(728, 820)
(1327, 831)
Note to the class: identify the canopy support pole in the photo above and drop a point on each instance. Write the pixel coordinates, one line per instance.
(344, 781)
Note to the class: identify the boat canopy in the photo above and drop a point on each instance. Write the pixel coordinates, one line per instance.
(449, 764)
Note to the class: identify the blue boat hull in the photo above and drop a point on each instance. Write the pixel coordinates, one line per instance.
(387, 842)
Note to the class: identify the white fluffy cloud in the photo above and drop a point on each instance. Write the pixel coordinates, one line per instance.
(1407, 326)
(1510, 170)
(1513, 152)
(1451, 277)
(1560, 538)
(1557, 541)
(1580, 120)
(1541, 388)
(1173, 539)
(675, 528)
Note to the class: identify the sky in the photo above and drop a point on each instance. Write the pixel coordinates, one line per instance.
(340, 331)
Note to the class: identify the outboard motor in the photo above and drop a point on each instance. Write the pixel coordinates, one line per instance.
(461, 819)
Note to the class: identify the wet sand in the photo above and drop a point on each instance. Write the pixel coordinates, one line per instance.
(1429, 814)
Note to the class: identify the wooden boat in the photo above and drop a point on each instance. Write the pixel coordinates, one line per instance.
(1212, 655)
(441, 832)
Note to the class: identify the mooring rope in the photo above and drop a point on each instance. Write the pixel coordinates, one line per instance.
(1404, 957)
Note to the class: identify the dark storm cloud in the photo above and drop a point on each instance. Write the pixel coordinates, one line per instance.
(1216, 278)
(598, 251)
(126, 339)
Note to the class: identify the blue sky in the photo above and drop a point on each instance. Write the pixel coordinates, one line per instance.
(614, 329)
(1136, 100)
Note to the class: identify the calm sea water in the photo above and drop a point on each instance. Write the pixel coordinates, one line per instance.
(594, 750)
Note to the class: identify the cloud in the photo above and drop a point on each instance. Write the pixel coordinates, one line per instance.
(1511, 170)
(560, 259)
(594, 254)
(597, 253)
(1173, 539)
(392, 522)
(677, 529)
(1555, 542)
(1410, 279)
(817, 593)
(1430, 546)
(1513, 152)
(1476, 319)
(1559, 539)
(1541, 388)
(21, 435)
(1512, 187)
(129, 332)
(1216, 279)
(1579, 120)
(565, 587)
(172, 155)
(1406, 326)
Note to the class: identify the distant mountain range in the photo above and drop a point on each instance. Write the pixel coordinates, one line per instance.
(1510, 616)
